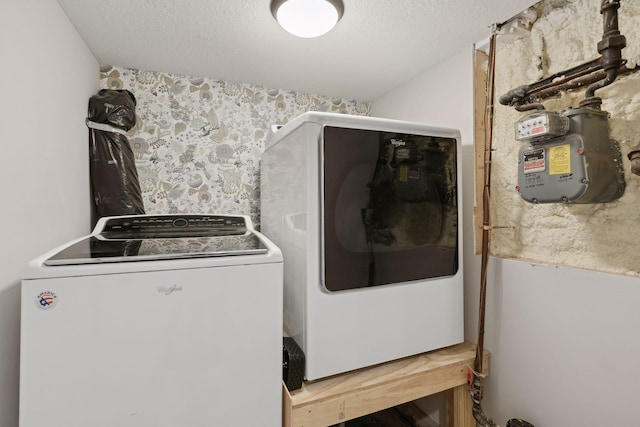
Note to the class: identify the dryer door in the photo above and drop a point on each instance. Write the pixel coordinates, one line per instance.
(390, 208)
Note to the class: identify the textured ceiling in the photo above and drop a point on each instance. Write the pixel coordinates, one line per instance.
(377, 45)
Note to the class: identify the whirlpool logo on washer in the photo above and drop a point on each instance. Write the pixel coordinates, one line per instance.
(46, 300)
(167, 290)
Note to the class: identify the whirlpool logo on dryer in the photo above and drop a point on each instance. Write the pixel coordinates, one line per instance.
(167, 290)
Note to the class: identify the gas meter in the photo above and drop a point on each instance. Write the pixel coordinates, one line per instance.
(568, 157)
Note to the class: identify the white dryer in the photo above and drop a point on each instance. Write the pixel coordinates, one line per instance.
(367, 214)
(154, 320)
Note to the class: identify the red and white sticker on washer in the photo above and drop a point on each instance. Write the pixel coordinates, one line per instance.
(46, 300)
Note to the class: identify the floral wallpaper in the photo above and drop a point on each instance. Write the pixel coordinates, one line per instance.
(198, 141)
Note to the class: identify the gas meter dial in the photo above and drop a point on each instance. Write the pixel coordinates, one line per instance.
(541, 125)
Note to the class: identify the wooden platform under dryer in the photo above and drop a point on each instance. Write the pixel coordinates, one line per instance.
(340, 398)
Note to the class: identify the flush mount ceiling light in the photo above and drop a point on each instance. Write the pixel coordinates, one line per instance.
(307, 18)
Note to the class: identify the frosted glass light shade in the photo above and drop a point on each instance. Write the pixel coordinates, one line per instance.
(307, 18)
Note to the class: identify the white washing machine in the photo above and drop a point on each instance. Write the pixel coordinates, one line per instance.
(154, 320)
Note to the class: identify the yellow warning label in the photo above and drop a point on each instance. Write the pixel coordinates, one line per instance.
(560, 160)
(403, 172)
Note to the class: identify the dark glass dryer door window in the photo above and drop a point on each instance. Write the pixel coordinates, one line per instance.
(390, 208)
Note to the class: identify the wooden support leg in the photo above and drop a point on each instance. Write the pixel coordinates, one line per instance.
(459, 413)
(286, 407)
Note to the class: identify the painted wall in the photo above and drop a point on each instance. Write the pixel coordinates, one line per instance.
(198, 141)
(45, 171)
(563, 341)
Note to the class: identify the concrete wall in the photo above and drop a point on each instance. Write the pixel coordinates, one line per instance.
(597, 236)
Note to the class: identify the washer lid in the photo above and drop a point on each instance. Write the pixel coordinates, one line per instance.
(161, 237)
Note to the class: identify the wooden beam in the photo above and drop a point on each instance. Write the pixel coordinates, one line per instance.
(481, 60)
(459, 409)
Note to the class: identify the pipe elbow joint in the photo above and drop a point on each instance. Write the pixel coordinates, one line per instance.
(634, 158)
(514, 95)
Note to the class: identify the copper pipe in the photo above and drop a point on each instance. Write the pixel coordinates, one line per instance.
(476, 383)
(516, 96)
(568, 86)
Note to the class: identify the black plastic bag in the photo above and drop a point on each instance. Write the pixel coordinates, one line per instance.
(114, 178)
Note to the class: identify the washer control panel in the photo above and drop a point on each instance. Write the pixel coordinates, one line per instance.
(172, 225)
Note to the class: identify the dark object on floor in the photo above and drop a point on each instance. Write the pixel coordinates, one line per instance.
(386, 418)
(517, 422)
(406, 415)
(292, 364)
